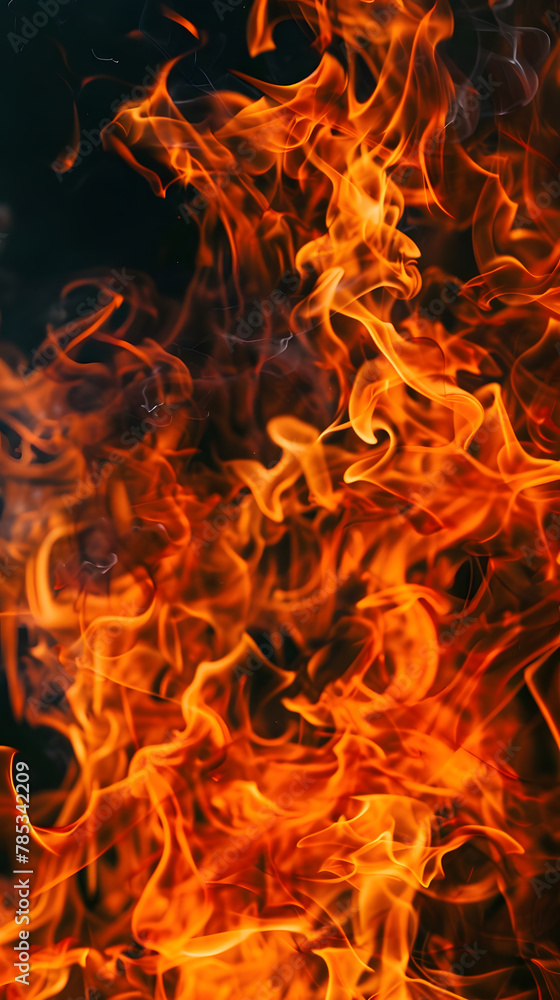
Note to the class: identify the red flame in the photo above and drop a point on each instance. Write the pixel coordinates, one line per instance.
(297, 586)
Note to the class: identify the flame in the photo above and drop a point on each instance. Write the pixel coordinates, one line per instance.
(183, 21)
(280, 559)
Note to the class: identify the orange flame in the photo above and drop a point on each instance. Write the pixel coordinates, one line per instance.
(297, 586)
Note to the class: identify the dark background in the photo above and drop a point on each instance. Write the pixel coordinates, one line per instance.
(102, 214)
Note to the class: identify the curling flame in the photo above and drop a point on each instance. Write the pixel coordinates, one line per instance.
(289, 548)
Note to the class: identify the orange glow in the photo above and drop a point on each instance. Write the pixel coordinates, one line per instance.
(174, 16)
(291, 547)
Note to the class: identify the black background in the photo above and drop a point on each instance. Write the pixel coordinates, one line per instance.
(102, 214)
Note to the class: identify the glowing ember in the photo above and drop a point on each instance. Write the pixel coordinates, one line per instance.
(283, 559)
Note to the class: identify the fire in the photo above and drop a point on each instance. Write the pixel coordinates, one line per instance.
(281, 558)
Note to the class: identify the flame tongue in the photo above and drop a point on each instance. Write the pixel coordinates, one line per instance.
(289, 601)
